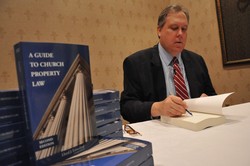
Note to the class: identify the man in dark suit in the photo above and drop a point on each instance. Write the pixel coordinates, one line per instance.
(149, 89)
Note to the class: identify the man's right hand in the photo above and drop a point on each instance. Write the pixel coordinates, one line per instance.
(171, 106)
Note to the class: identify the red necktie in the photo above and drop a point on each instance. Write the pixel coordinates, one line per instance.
(180, 86)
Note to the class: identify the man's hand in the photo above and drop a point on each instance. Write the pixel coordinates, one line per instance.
(171, 106)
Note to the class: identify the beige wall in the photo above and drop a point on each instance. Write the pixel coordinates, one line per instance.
(113, 30)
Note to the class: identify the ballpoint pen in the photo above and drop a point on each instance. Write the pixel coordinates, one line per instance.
(189, 112)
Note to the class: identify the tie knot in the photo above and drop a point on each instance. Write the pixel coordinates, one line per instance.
(175, 60)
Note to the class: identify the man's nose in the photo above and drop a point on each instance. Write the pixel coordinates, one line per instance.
(180, 32)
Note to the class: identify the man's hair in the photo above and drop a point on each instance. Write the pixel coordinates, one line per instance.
(171, 8)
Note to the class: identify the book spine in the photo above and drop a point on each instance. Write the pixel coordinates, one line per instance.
(21, 79)
(10, 102)
(11, 114)
(115, 134)
(105, 96)
(106, 107)
(107, 118)
(9, 94)
(22, 87)
(148, 162)
(109, 128)
(16, 160)
(11, 131)
(12, 147)
(10, 98)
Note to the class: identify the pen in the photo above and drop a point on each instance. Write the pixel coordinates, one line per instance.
(189, 112)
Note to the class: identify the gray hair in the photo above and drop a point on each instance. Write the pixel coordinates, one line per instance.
(167, 10)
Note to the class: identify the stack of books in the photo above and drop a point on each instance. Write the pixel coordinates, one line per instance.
(107, 112)
(59, 119)
(13, 150)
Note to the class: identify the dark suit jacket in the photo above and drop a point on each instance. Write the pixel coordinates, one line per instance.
(144, 82)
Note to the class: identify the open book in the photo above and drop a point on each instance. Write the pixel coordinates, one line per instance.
(207, 112)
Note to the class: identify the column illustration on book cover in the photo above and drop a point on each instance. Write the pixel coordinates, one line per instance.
(67, 115)
(56, 85)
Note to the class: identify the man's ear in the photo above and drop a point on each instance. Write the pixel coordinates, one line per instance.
(159, 32)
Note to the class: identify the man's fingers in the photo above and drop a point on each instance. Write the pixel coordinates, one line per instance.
(178, 105)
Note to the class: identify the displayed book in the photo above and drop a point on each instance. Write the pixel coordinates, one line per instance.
(117, 133)
(108, 118)
(11, 131)
(11, 110)
(16, 160)
(11, 114)
(148, 162)
(106, 107)
(9, 98)
(56, 88)
(9, 94)
(12, 148)
(118, 151)
(105, 95)
(109, 128)
(206, 112)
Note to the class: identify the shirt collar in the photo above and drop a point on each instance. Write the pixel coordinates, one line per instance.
(166, 57)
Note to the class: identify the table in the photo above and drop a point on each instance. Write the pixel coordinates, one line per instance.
(224, 145)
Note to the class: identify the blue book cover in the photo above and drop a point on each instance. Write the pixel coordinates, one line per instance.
(116, 151)
(57, 93)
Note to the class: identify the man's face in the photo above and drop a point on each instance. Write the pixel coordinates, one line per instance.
(173, 34)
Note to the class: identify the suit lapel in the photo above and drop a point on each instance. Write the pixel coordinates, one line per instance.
(158, 75)
(189, 69)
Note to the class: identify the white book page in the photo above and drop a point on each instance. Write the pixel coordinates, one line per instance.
(102, 91)
(209, 104)
(198, 117)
